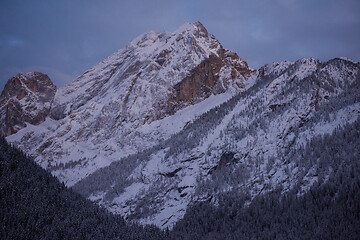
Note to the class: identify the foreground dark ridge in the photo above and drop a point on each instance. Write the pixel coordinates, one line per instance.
(35, 205)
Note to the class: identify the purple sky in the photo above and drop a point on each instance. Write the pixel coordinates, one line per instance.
(65, 38)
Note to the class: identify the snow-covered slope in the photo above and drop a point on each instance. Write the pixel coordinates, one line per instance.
(174, 118)
(243, 144)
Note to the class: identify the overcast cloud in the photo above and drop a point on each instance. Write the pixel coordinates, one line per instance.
(65, 38)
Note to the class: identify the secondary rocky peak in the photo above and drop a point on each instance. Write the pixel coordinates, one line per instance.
(26, 97)
(27, 82)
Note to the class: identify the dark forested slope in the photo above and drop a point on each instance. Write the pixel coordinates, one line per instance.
(35, 205)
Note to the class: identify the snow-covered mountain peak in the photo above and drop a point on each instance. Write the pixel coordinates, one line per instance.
(124, 101)
(186, 27)
(155, 62)
(349, 60)
(187, 37)
(197, 29)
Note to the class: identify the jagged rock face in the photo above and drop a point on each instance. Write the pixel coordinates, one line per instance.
(203, 80)
(26, 98)
(199, 85)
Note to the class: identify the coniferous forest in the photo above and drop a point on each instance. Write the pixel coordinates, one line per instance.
(35, 205)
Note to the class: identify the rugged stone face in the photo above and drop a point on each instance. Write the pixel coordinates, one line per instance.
(239, 67)
(27, 97)
(198, 85)
(203, 80)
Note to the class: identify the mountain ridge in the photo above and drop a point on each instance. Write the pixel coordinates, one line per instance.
(127, 91)
(147, 131)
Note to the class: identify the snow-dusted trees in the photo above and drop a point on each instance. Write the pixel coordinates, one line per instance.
(329, 210)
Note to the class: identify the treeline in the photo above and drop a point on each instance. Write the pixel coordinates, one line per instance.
(35, 205)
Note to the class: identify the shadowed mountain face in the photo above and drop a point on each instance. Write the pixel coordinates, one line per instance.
(174, 118)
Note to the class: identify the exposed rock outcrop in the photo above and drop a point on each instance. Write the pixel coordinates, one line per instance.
(203, 80)
(26, 98)
(198, 85)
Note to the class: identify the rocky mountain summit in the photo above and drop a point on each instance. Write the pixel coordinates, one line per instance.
(174, 118)
(26, 98)
(155, 72)
(115, 104)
